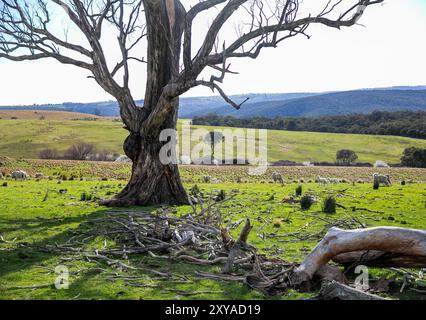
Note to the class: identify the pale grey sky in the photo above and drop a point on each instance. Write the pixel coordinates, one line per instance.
(387, 49)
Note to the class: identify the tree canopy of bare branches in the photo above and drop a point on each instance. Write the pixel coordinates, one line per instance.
(160, 34)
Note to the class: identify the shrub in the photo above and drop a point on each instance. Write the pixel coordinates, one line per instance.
(299, 191)
(306, 202)
(414, 157)
(195, 191)
(346, 157)
(49, 153)
(329, 205)
(79, 151)
(221, 196)
(376, 185)
(85, 197)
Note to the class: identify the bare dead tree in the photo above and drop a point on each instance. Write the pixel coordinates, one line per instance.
(28, 31)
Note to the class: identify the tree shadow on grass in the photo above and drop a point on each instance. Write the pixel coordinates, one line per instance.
(92, 284)
(26, 253)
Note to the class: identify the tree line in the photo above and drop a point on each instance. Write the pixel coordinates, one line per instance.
(399, 123)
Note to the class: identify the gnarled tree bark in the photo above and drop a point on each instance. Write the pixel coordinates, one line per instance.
(153, 182)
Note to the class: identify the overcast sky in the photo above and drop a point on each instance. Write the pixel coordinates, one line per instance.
(388, 50)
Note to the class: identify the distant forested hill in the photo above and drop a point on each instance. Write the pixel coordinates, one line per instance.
(400, 123)
(273, 105)
(330, 104)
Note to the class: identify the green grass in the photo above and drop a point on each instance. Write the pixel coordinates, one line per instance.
(26, 219)
(25, 139)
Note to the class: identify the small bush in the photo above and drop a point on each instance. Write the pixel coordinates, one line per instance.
(376, 185)
(329, 205)
(221, 196)
(414, 157)
(79, 151)
(299, 191)
(306, 202)
(195, 191)
(4, 184)
(346, 157)
(85, 197)
(403, 183)
(49, 153)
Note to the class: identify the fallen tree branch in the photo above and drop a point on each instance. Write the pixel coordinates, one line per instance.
(337, 241)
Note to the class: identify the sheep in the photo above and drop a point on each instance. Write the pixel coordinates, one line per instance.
(277, 177)
(215, 162)
(381, 164)
(39, 175)
(20, 175)
(123, 158)
(206, 179)
(321, 180)
(334, 180)
(185, 160)
(382, 179)
(215, 180)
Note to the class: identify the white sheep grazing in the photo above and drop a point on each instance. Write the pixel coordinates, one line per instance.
(20, 175)
(215, 180)
(185, 160)
(381, 164)
(382, 179)
(334, 180)
(322, 180)
(215, 162)
(123, 158)
(277, 177)
(39, 175)
(206, 179)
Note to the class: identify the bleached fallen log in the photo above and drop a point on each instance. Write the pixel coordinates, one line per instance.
(381, 259)
(408, 242)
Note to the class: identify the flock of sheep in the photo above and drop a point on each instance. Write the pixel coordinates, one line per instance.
(22, 175)
(378, 179)
(276, 177)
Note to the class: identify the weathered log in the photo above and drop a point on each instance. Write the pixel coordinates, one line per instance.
(408, 242)
(337, 291)
(381, 259)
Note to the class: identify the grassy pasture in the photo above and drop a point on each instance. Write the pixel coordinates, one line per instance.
(44, 115)
(27, 216)
(193, 174)
(25, 138)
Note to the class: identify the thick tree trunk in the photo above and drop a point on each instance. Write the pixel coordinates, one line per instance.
(152, 182)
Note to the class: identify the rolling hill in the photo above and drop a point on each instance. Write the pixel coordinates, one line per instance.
(271, 105)
(25, 138)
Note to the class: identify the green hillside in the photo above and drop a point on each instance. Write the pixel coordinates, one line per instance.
(25, 139)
